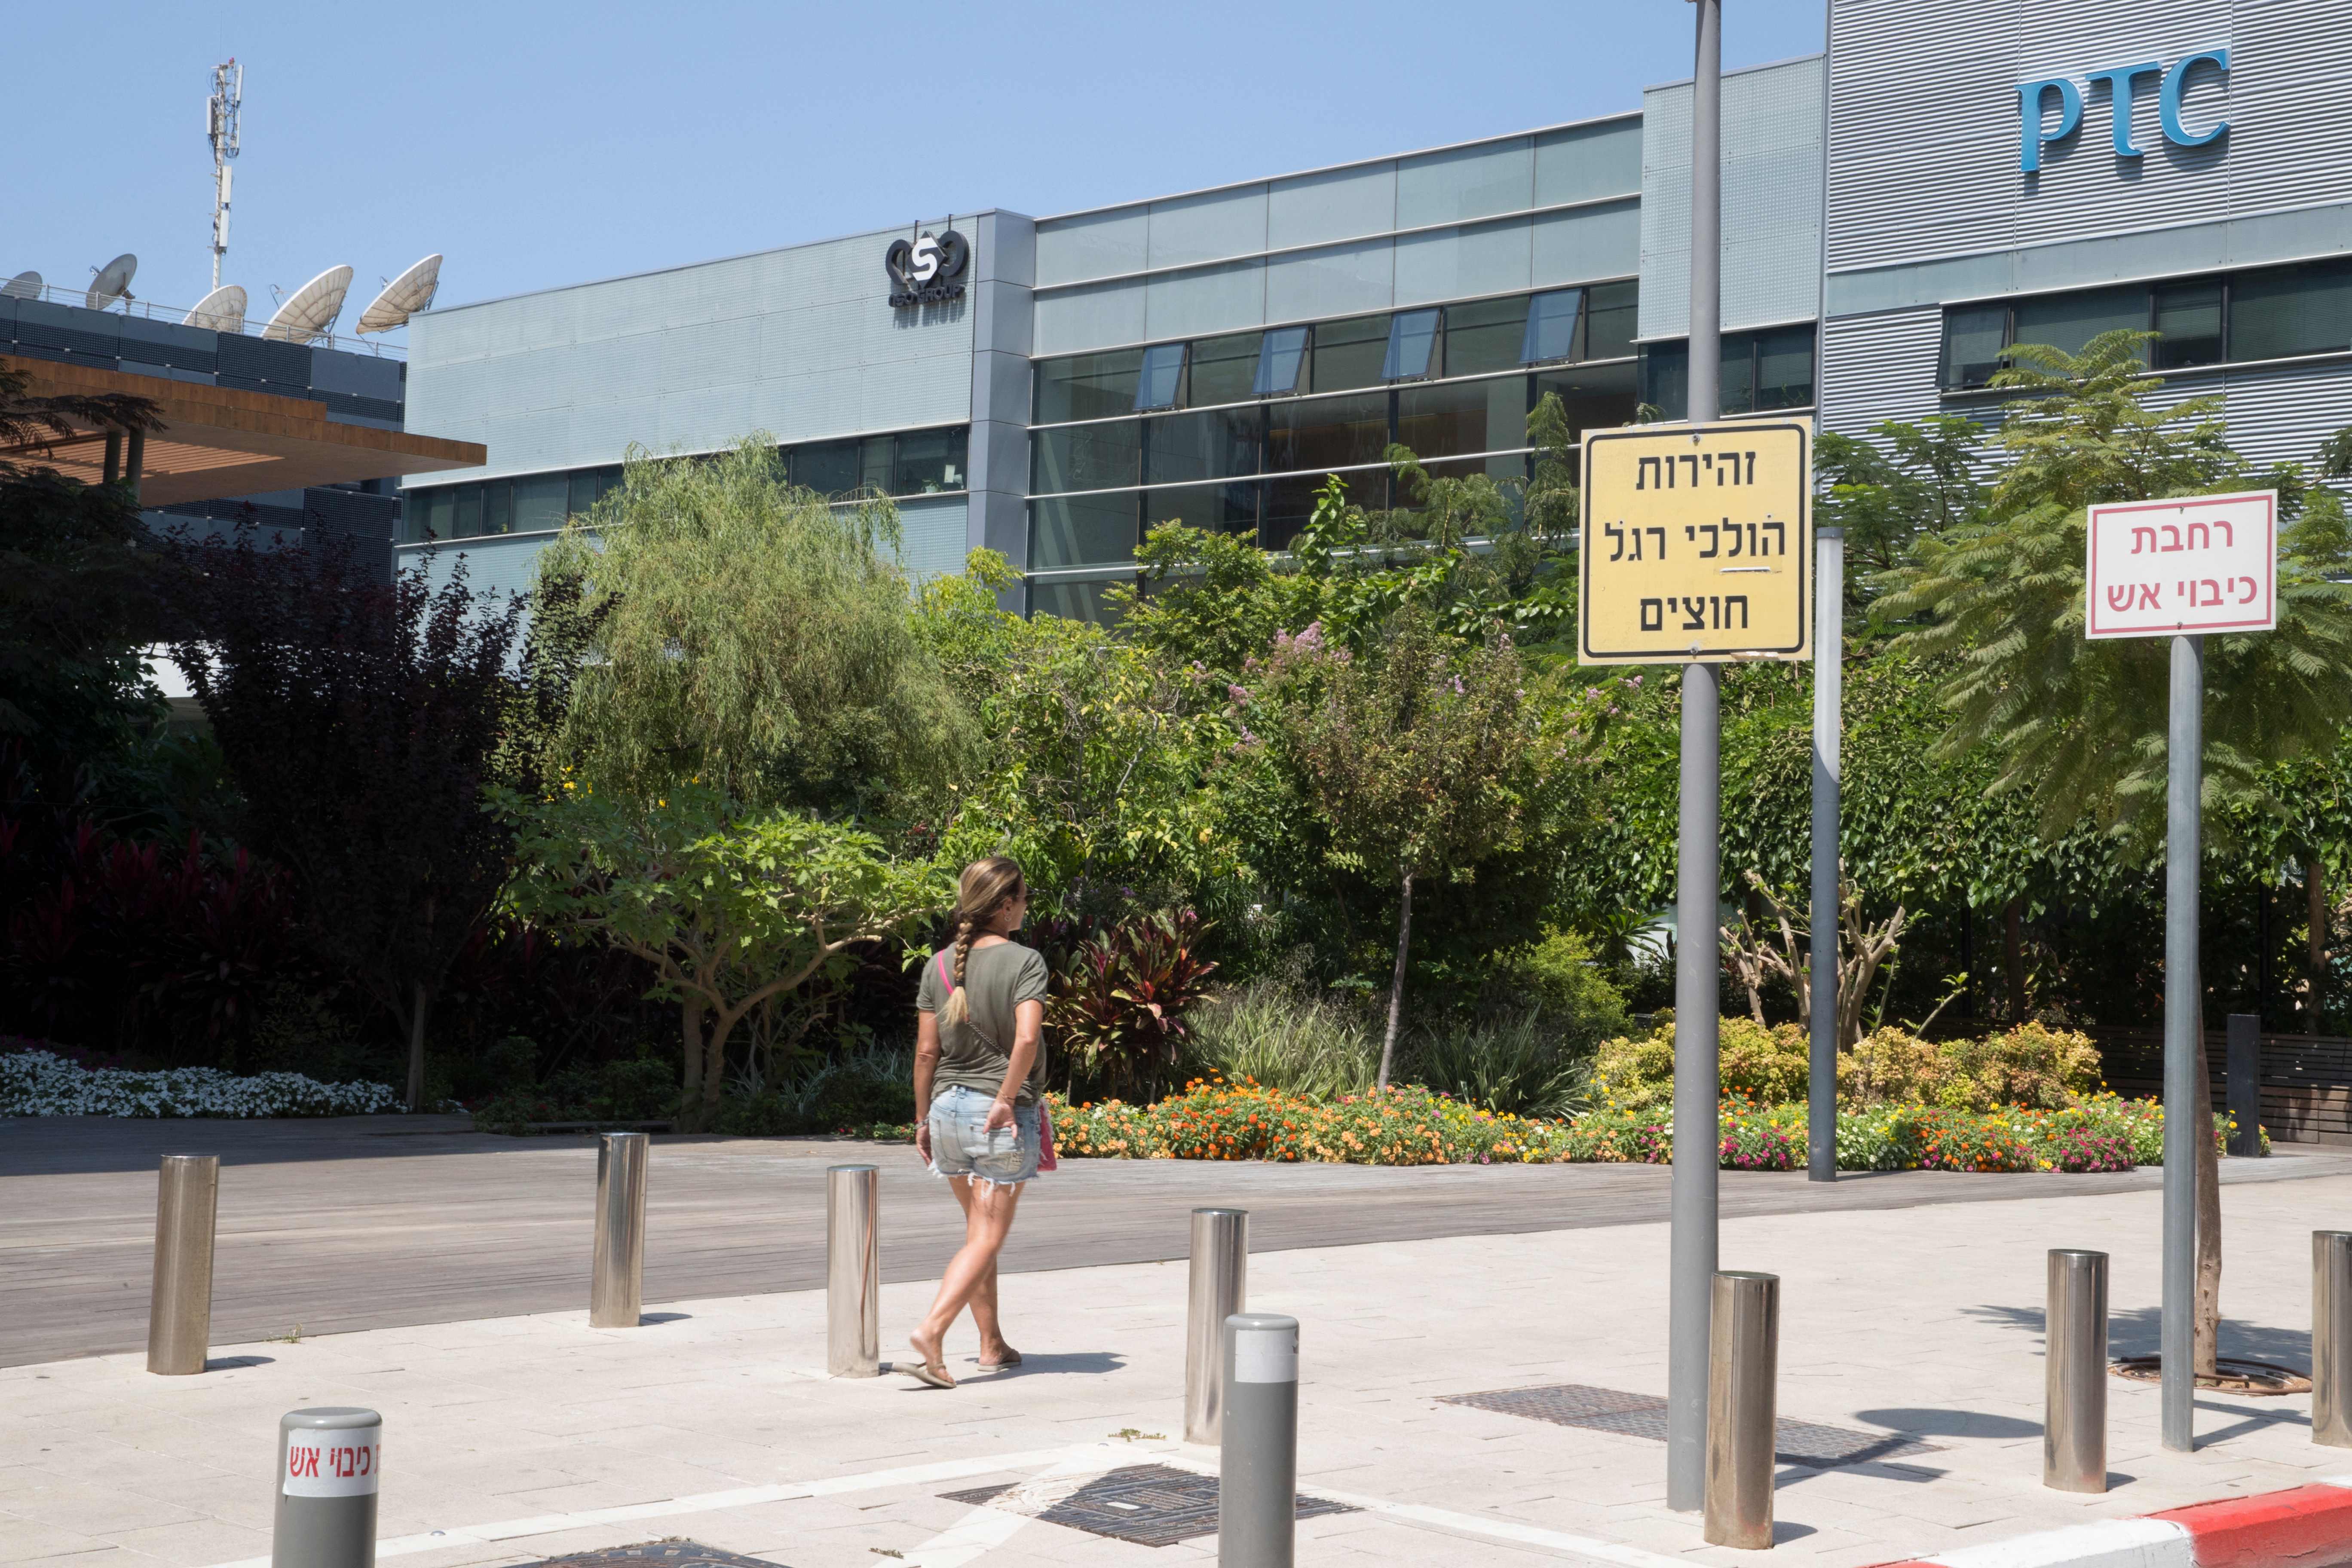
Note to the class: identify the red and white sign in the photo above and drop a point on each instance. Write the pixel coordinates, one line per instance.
(323, 1463)
(2200, 563)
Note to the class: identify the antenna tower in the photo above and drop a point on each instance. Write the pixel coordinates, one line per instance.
(221, 113)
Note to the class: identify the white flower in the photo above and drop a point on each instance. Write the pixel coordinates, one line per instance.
(41, 1083)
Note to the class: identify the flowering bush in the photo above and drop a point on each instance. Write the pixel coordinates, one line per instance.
(2030, 1066)
(42, 1083)
(1216, 1120)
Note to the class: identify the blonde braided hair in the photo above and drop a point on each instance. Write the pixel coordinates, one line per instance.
(986, 887)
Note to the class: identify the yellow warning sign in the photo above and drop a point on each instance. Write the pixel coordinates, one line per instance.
(1698, 543)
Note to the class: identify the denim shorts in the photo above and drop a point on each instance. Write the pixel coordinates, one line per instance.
(961, 1147)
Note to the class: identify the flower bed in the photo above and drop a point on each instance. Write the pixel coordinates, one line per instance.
(1410, 1126)
(42, 1083)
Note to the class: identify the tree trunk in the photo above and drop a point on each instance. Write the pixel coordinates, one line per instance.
(416, 1048)
(2208, 1317)
(1396, 983)
(2012, 916)
(2314, 892)
(689, 1103)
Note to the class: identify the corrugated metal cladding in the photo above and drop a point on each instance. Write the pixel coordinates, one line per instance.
(1884, 366)
(1925, 126)
(1330, 243)
(1771, 199)
(801, 342)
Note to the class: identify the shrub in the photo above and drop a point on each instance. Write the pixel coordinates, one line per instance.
(41, 1083)
(1119, 1002)
(1281, 1033)
(2029, 1065)
(1527, 1063)
(1560, 975)
(1767, 1066)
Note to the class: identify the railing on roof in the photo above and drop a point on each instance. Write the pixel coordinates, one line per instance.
(64, 294)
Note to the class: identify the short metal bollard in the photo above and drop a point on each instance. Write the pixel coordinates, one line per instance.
(1742, 1395)
(853, 1272)
(1257, 1464)
(2243, 1079)
(2075, 1422)
(616, 1292)
(180, 1306)
(1219, 1288)
(2331, 1338)
(328, 1462)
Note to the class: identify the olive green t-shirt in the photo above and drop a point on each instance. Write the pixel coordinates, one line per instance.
(977, 1052)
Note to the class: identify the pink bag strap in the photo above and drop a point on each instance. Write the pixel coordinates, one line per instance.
(944, 981)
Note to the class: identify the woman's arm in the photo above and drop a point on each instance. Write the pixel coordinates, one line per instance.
(1028, 1029)
(927, 1063)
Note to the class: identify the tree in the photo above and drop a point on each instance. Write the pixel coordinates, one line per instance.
(1755, 959)
(1420, 758)
(362, 722)
(749, 634)
(731, 908)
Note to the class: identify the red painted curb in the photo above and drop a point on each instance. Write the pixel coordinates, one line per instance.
(2305, 1527)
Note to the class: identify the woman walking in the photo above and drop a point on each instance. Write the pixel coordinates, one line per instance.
(980, 1071)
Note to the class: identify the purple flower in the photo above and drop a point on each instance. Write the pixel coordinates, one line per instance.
(1457, 685)
(1237, 693)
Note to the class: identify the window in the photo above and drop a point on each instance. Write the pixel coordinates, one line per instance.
(1485, 336)
(1552, 321)
(2068, 322)
(1088, 386)
(928, 462)
(1214, 444)
(2293, 311)
(1784, 368)
(1086, 456)
(1087, 602)
(497, 508)
(1327, 433)
(1350, 354)
(1593, 397)
(1279, 360)
(1215, 509)
(2189, 317)
(1666, 380)
(1082, 531)
(1290, 503)
(1162, 377)
(1446, 420)
(1413, 334)
(1610, 314)
(1974, 340)
(828, 467)
(542, 503)
(469, 512)
(1224, 369)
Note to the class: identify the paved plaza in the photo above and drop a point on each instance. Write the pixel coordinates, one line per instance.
(511, 1439)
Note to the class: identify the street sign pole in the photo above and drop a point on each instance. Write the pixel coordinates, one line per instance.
(1829, 685)
(1698, 879)
(2184, 1038)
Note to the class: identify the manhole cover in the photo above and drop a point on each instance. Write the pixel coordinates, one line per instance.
(1644, 1415)
(1151, 1505)
(664, 1554)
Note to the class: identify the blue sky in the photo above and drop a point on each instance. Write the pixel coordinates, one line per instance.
(539, 146)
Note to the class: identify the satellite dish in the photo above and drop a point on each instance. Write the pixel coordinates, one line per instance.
(112, 283)
(223, 309)
(23, 286)
(412, 292)
(310, 311)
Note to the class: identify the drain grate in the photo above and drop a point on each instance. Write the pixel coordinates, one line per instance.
(656, 1554)
(1149, 1505)
(1644, 1415)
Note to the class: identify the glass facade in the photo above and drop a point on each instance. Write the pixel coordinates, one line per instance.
(2276, 313)
(908, 463)
(1236, 433)
(1763, 371)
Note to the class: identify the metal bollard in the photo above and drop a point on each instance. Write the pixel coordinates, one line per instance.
(1742, 1377)
(616, 1292)
(1258, 1463)
(180, 1305)
(2331, 1338)
(853, 1272)
(2244, 1080)
(328, 1465)
(2074, 1425)
(1219, 1288)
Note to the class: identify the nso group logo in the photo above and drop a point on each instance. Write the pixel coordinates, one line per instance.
(928, 268)
(2036, 129)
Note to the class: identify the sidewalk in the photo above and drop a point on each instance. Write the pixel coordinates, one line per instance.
(714, 1422)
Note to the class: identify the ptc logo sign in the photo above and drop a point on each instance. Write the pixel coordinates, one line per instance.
(2166, 568)
(927, 269)
(2036, 129)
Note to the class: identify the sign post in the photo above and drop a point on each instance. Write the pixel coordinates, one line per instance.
(2182, 569)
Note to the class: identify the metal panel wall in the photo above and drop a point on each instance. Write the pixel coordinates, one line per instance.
(801, 342)
(1926, 123)
(1771, 199)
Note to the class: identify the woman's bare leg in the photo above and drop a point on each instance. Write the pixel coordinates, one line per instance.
(993, 1350)
(991, 1219)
